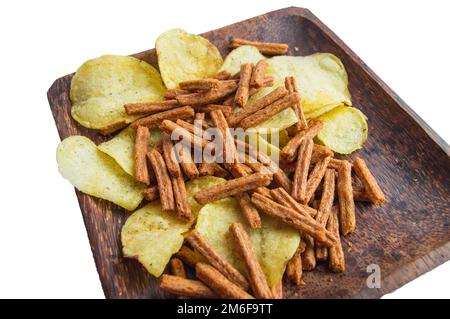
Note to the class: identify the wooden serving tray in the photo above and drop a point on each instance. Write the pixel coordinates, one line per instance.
(406, 237)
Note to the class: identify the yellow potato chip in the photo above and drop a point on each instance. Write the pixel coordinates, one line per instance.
(183, 56)
(241, 55)
(103, 85)
(194, 186)
(275, 243)
(95, 173)
(322, 110)
(153, 236)
(344, 129)
(121, 147)
(280, 121)
(321, 78)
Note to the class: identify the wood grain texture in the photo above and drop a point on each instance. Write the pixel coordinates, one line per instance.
(406, 237)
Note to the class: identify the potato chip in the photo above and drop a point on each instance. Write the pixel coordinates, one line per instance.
(194, 186)
(344, 129)
(184, 57)
(121, 147)
(275, 243)
(241, 55)
(321, 78)
(153, 236)
(95, 173)
(280, 121)
(103, 85)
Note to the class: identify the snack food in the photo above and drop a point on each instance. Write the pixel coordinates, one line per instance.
(321, 78)
(82, 163)
(344, 129)
(183, 57)
(101, 87)
(239, 56)
(258, 207)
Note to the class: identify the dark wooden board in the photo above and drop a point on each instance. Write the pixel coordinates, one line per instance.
(407, 237)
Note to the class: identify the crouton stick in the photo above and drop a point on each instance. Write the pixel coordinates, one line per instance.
(282, 180)
(196, 130)
(299, 182)
(156, 119)
(294, 268)
(185, 287)
(186, 161)
(140, 150)
(232, 187)
(227, 110)
(320, 152)
(205, 84)
(345, 195)
(290, 149)
(259, 104)
(248, 210)
(214, 259)
(177, 269)
(212, 169)
(283, 198)
(335, 164)
(263, 47)
(173, 93)
(229, 148)
(259, 73)
(323, 213)
(151, 193)
(291, 85)
(150, 107)
(371, 186)
(277, 290)
(244, 84)
(222, 75)
(163, 180)
(309, 255)
(180, 196)
(336, 259)
(244, 245)
(208, 97)
(315, 177)
(188, 256)
(268, 112)
(218, 283)
(293, 218)
(169, 156)
(186, 136)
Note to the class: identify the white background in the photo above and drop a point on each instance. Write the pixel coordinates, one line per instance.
(44, 248)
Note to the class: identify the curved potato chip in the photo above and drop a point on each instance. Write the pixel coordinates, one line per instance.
(101, 87)
(196, 185)
(153, 236)
(121, 147)
(344, 129)
(280, 121)
(95, 173)
(275, 243)
(241, 55)
(183, 56)
(322, 110)
(321, 78)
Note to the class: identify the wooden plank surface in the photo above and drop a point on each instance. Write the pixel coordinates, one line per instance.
(407, 237)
